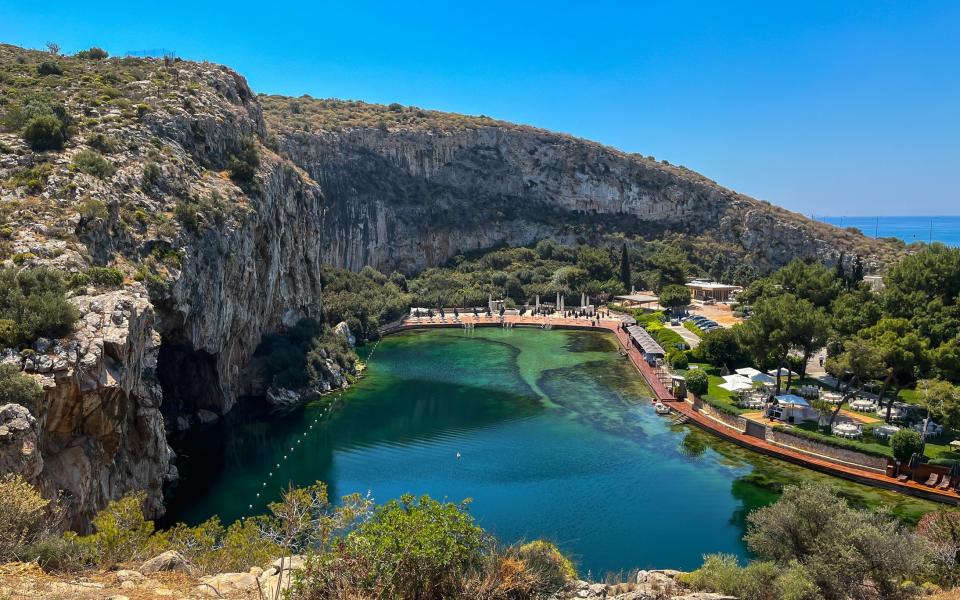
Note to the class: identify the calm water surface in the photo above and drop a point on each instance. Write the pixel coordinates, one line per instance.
(945, 229)
(556, 436)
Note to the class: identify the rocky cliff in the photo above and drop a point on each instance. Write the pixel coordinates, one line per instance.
(408, 189)
(218, 219)
(209, 265)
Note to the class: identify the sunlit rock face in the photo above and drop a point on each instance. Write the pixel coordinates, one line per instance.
(408, 199)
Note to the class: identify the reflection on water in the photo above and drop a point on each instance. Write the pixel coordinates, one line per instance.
(549, 432)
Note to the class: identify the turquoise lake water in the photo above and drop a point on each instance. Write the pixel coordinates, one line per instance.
(556, 436)
(909, 229)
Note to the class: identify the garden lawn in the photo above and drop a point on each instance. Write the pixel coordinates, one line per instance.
(716, 395)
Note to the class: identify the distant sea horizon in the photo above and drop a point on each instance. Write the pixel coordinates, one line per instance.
(944, 229)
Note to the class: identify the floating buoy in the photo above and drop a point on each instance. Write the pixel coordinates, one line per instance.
(258, 495)
(284, 457)
(264, 484)
(249, 506)
(271, 473)
(458, 455)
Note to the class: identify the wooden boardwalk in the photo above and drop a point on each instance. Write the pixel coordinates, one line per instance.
(701, 420)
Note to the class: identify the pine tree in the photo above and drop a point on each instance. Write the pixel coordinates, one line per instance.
(625, 276)
(841, 275)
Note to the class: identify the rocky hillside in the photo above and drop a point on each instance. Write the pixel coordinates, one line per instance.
(192, 218)
(408, 188)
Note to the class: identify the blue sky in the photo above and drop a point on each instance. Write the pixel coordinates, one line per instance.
(839, 108)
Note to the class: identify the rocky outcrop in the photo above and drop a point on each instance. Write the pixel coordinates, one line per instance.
(19, 442)
(98, 426)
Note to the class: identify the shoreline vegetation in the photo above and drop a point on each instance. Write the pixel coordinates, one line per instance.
(811, 544)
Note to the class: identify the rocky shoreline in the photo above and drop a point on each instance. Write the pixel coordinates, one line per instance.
(170, 575)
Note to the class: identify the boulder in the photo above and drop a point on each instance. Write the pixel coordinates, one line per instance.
(206, 416)
(223, 584)
(288, 563)
(343, 329)
(170, 560)
(125, 575)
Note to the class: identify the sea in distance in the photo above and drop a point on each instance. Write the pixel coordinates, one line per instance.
(944, 229)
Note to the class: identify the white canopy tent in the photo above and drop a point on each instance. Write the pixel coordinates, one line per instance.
(736, 383)
(755, 375)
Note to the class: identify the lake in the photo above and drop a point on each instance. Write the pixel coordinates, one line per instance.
(550, 433)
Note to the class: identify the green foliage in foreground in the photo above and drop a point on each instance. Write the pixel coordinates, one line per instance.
(810, 545)
(33, 304)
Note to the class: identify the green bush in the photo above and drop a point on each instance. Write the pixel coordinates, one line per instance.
(93, 163)
(49, 67)
(25, 515)
(678, 359)
(108, 277)
(691, 326)
(244, 162)
(418, 547)
(697, 381)
(121, 534)
(94, 53)
(759, 580)
(103, 143)
(905, 443)
(35, 301)
(18, 388)
(44, 132)
(546, 561)
(151, 174)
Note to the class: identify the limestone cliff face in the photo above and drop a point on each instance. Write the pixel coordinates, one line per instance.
(411, 197)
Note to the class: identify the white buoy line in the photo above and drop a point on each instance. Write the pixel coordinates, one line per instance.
(324, 412)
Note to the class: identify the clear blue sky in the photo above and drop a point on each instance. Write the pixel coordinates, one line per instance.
(839, 108)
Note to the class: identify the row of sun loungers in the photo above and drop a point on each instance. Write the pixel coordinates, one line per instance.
(936, 480)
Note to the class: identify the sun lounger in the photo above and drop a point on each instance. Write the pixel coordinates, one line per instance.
(903, 478)
(945, 484)
(932, 480)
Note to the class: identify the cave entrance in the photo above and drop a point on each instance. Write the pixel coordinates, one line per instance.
(188, 377)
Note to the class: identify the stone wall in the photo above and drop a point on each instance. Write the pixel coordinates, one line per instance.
(732, 421)
(832, 453)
